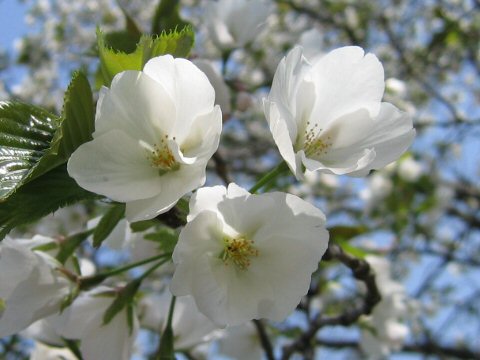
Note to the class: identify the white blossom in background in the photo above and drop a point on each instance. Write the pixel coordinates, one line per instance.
(154, 134)
(43, 331)
(31, 286)
(45, 352)
(396, 86)
(64, 221)
(328, 116)
(311, 42)
(410, 169)
(378, 187)
(241, 342)
(222, 92)
(83, 320)
(386, 330)
(244, 256)
(235, 23)
(190, 327)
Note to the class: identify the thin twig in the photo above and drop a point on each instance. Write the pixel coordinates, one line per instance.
(264, 339)
(361, 271)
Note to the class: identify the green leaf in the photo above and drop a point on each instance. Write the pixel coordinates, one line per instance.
(122, 41)
(34, 146)
(352, 250)
(345, 233)
(108, 223)
(166, 237)
(143, 225)
(124, 298)
(39, 198)
(167, 17)
(70, 244)
(25, 134)
(35, 141)
(166, 349)
(112, 61)
(75, 128)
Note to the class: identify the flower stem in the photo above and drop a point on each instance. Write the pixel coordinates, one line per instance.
(166, 350)
(270, 176)
(88, 281)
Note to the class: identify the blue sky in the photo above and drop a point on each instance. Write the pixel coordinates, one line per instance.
(12, 24)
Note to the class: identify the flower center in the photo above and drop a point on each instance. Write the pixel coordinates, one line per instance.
(239, 251)
(315, 145)
(161, 157)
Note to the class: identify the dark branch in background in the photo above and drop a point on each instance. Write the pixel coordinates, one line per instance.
(330, 20)
(412, 72)
(264, 339)
(426, 348)
(361, 271)
(221, 168)
(172, 218)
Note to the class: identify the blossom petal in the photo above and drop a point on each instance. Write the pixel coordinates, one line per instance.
(280, 133)
(187, 85)
(114, 165)
(173, 186)
(202, 140)
(287, 80)
(346, 80)
(207, 229)
(136, 104)
(391, 136)
(206, 198)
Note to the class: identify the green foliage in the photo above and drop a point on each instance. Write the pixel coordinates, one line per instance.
(140, 226)
(35, 141)
(124, 298)
(166, 237)
(108, 223)
(76, 125)
(70, 244)
(25, 134)
(39, 198)
(345, 232)
(112, 62)
(341, 235)
(167, 17)
(166, 349)
(35, 144)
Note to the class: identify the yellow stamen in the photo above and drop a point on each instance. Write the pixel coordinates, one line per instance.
(316, 145)
(239, 251)
(162, 158)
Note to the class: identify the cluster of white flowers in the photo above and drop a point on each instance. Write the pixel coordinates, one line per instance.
(385, 327)
(241, 256)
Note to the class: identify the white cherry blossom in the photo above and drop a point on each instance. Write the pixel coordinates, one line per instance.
(328, 116)
(241, 342)
(31, 287)
(387, 330)
(244, 256)
(45, 352)
(235, 23)
(190, 327)
(83, 320)
(155, 131)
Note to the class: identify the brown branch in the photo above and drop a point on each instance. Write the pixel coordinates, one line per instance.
(361, 271)
(264, 339)
(221, 168)
(427, 348)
